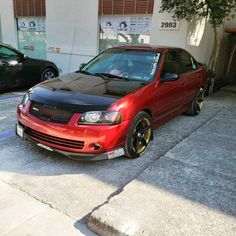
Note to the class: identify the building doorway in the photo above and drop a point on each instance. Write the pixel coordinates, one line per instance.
(32, 36)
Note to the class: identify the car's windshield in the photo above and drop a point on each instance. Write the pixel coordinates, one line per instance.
(124, 63)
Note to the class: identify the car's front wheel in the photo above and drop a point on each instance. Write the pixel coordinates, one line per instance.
(48, 74)
(139, 135)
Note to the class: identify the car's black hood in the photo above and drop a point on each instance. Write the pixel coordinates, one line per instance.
(38, 60)
(80, 93)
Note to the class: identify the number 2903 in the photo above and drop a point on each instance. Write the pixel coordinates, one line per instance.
(168, 25)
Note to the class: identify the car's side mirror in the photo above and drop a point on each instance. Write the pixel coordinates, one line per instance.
(22, 57)
(168, 77)
(82, 65)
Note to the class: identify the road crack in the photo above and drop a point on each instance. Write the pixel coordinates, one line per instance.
(85, 219)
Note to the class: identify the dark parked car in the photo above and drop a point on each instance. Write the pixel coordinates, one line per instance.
(19, 70)
(110, 106)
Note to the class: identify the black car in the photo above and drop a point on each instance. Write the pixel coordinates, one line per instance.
(19, 70)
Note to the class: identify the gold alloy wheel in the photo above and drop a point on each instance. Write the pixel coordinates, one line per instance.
(141, 135)
(199, 100)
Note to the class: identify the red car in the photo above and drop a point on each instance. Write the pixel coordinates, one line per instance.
(110, 106)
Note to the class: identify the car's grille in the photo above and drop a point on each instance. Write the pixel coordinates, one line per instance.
(49, 113)
(33, 134)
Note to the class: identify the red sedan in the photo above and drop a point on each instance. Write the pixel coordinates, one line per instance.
(110, 106)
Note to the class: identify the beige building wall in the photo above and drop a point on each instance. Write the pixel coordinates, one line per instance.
(72, 27)
(195, 36)
(7, 21)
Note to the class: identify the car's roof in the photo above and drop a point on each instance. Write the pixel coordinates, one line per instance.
(147, 47)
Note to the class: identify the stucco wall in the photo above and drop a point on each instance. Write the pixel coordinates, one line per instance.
(0, 30)
(8, 26)
(200, 40)
(71, 26)
(195, 36)
(166, 37)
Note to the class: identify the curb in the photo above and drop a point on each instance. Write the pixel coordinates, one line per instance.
(102, 228)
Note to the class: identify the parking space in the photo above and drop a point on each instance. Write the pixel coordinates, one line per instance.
(77, 188)
(8, 112)
(190, 190)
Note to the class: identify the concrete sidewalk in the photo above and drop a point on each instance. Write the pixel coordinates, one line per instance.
(22, 215)
(191, 190)
(184, 184)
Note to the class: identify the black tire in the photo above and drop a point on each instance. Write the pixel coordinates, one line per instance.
(197, 104)
(47, 74)
(139, 136)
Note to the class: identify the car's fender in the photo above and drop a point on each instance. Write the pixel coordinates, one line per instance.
(143, 99)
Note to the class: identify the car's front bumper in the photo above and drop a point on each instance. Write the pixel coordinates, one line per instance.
(77, 156)
(111, 139)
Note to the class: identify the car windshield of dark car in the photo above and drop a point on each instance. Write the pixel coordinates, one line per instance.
(124, 64)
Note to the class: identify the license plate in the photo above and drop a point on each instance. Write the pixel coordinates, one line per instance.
(44, 146)
(20, 131)
(116, 153)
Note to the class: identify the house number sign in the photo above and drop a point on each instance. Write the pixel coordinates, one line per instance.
(169, 25)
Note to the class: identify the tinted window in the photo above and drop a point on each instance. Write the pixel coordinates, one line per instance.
(171, 64)
(6, 53)
(187, 62)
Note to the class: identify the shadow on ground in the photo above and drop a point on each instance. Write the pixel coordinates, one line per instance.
(200, 168)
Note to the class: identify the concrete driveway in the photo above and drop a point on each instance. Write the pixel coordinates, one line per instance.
(184, 184)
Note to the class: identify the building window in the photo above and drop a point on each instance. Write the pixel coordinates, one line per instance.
(119, 7)
(32, 36)
(30, 20)
(120, 30)
(30, 8)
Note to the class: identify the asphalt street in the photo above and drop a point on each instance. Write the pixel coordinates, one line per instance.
(186, 177)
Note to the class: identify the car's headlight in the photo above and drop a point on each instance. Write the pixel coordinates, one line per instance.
(100, 118)
(25, 99)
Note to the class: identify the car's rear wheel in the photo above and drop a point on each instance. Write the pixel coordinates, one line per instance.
(197, 104)
(48, 74)
(139, 135)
